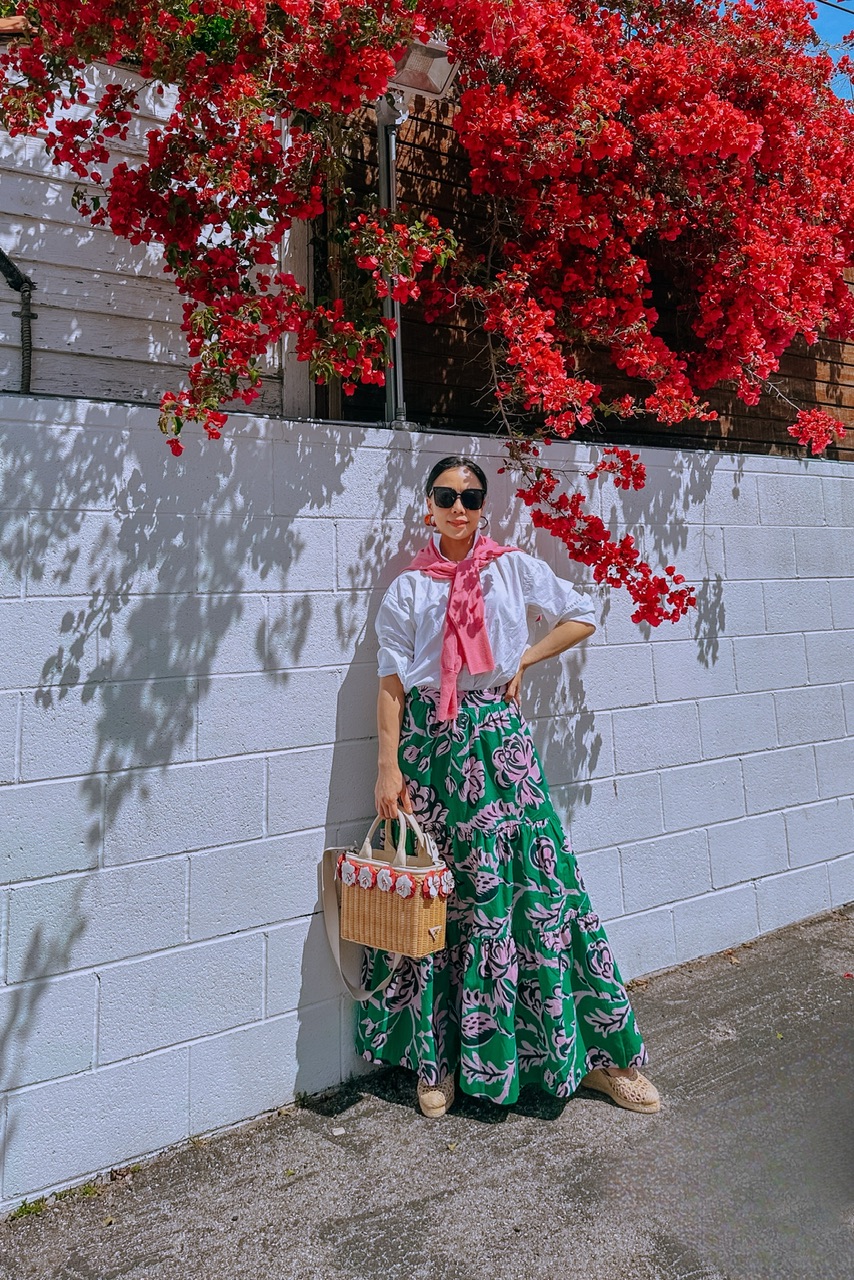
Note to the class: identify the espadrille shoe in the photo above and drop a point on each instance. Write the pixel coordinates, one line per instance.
(635, 1093)
(435, 1099)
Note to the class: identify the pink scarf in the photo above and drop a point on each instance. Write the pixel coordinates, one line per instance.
(465, 638)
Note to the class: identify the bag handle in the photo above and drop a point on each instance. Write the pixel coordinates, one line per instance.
(367, 851)
(331, 916)
(424, 841)
(423, 837)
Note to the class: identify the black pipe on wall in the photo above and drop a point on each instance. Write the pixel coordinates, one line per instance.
(23, 285)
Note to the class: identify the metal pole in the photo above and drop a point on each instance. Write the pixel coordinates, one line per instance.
(389, 117)
(384, 174)
(399, 398)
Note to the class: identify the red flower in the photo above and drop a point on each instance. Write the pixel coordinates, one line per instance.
(817, 430)
(699, 151)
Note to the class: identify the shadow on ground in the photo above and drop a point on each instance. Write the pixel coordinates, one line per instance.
(746, 1174)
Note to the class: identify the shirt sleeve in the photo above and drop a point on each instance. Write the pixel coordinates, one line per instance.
(555, 598)
(395, 628)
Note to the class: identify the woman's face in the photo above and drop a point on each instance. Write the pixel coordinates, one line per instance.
(456, 523)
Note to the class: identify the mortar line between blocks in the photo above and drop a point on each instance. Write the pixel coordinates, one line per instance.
(81, 598)
(176, 765)
(817, 772)
(80, 872)
(620, 874)
(181, 1046)
(5, 914)
(3, 1146)
(745, 808)
(96, 1023)
(334, 554)
(265, 946)
(197, 708)
(187, 874)
(265, 800)
(25, 576)
(173, 949)
(19, 737)
(776, 708)
(102, 835)
(708, 845)
(195, 525)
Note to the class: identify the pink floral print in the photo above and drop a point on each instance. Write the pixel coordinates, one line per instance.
(527, 989)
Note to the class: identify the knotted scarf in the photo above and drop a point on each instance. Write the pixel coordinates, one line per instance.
(465, 638)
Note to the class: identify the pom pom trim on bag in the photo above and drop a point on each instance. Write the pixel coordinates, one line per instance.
(434, 884)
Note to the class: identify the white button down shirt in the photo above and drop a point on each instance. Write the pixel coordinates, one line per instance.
(411, 619)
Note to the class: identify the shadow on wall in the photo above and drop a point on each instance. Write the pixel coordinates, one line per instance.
(47, 952)
(373, 556)
(658, 517)
(660, 512)
(139, 565)
(159, 555)
(573, 745)
(156, 575)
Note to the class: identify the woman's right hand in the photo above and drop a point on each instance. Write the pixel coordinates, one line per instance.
(390, 792)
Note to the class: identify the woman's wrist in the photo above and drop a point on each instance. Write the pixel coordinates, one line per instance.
(527, 659)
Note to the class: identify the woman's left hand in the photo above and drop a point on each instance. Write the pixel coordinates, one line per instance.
(566, 633)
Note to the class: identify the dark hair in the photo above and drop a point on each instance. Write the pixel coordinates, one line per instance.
(447, 464)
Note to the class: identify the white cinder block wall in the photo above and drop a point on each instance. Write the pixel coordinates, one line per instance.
(186, 719)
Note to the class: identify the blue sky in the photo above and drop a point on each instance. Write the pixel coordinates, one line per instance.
(832, 24)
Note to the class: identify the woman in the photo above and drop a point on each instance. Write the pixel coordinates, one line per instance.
(526, 989)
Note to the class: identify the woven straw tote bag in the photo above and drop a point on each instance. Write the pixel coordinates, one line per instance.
(385, 898)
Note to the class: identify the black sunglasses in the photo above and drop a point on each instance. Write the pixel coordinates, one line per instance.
(445, 497)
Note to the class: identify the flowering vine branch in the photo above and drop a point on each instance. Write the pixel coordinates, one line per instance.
(691, 151)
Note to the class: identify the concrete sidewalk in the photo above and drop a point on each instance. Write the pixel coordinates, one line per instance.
(747, 1173)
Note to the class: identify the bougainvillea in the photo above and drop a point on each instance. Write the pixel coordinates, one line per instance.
(816, 430)
(690, 154)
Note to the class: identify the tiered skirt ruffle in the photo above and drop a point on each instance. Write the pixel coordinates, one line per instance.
(527, 989)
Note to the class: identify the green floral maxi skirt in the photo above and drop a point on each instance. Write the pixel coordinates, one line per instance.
(526, 990)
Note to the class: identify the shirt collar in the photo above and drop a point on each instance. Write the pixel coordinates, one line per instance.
(437, 538)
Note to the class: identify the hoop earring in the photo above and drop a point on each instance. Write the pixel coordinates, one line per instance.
(429, 521)
(483, 522)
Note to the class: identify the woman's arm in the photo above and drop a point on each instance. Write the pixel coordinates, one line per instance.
(561, 637)
(391, 788)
